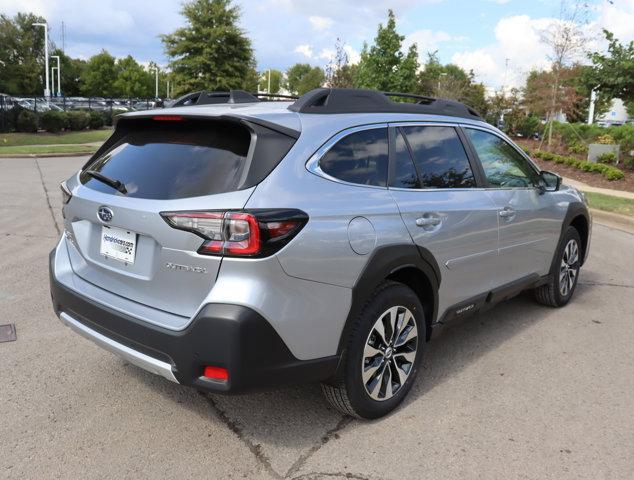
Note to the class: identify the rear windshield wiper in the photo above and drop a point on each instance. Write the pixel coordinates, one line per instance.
(111, 182)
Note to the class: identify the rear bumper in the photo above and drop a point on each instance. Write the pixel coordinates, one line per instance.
(230, 336)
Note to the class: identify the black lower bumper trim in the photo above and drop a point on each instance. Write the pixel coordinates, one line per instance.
(230, 336)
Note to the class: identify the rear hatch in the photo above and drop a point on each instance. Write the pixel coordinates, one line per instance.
(118, 239)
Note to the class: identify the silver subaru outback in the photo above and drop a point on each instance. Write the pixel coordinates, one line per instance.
(230, 244)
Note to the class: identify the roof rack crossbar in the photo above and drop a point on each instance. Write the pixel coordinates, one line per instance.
(275, 95)
(420, 98)
(351, 100)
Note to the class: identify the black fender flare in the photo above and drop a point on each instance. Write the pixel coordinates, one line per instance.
(575, 209)
(386, 261)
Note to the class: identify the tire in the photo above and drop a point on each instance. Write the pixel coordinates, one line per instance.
(379, 367)
(564, 274)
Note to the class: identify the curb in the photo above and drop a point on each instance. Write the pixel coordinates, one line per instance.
(615, 220)
(45, 155)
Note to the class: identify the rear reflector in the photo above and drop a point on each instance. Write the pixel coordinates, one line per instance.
(216, 373)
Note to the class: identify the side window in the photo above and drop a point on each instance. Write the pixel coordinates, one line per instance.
(504, 167)
(405, 175)
(361, 158)
(440, 157)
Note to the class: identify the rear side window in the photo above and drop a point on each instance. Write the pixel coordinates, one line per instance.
(405, 175)
(361, 158)
(178, 159)
(440, 157)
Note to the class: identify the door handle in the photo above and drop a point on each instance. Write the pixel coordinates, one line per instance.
(428, 221)
(507, 213)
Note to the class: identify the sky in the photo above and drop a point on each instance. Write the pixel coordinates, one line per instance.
(499, 39)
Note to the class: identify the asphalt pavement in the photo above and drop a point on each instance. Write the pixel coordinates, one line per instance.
(521, 392)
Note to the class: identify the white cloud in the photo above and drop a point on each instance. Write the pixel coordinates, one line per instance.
(320, 23)
(618, 17)
(305, 50)
(518, 39)
(428, 40)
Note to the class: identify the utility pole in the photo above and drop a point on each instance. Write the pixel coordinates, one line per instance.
(593, 98)
(47, 91)
(167, 92)
(59, 68)
(506, 67)
(443, 74)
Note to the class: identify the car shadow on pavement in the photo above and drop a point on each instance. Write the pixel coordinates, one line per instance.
(463, 341)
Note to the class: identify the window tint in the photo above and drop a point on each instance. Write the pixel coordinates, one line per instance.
(440, 158)
(504, 167)
(178, 161)
(360, 157)
(404, 172)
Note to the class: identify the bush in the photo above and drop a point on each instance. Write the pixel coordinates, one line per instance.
(607, 157)
(27, 121)
(529, 126)
(605, 139)
(612, 173)
(109, 116)
(78, 120)
(578, 148)
(53, 121)
(96, 120)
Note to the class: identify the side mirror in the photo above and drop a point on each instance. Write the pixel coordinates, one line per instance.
(549, 181)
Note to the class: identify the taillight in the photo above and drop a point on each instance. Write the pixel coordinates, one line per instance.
(252, 233)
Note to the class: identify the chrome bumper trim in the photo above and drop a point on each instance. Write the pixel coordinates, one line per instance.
(135, 357)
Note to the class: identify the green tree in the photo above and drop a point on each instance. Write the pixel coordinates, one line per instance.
(384, 66)
(276, 80)
(132, 79)
(21, 55)
(452, 82)
(613, 72)
(99, 75)
(211, 52)
(302, 78)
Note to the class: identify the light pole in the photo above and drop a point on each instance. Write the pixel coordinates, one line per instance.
(47, 91)
(59, 69)
(155, 81)
(53, 81)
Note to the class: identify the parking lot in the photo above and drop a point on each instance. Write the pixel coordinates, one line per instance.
(522, 391)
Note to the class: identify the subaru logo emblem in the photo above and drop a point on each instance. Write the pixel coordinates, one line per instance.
(105, 214)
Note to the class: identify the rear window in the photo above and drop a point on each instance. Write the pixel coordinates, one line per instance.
(170, 160)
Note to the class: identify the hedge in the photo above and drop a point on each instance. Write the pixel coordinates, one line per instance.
(609, 172)
(53, 121)
(78, 120)
(27, 121)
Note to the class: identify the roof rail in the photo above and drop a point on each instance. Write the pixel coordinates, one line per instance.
(232, 96)
(351, 100)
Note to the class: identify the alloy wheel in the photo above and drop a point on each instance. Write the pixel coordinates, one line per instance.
(569, 267)
(389, 353)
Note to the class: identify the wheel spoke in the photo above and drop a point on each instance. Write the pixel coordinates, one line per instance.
(408, 356)
(387, 380)
(369, 351)
(402, 374)
(393, 325)
(407, 336)
(379, 328)
(371, 370)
